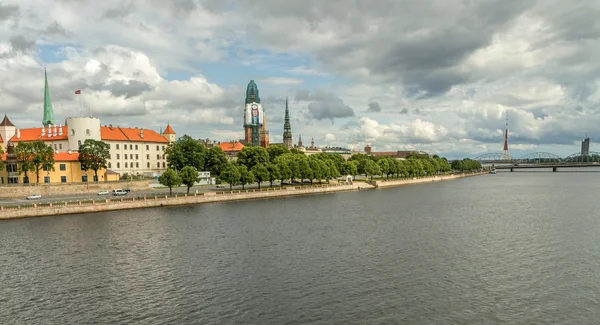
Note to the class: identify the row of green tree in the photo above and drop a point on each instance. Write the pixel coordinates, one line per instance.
(278, 163)
(466, 165)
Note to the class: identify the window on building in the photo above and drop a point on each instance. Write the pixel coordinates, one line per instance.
(118, 156)
(11, 168)
(1, 179)
(55, 146)
(109, 156)
(95, 178)
(125, 165)
(87, 132)
(157, 148)
(147, 147)
(72, 131)
(125, 156)
(84, 178)
(157, 156)
(136, 156)
(158, 164)
(63, 179)
(136, 147)
(147, 156)
(118, 165)
(148, 164)
(163, 156)
(163, 148)
(108, 144)
(137, 165)
(45, 168)
(130, 147)
(47, 179)
(79, 143)
(109, 165)
(125, 146)
(25, 180)
(60, 146)
(117, 146)
(13, 179)
(62, 167)
(163, 164)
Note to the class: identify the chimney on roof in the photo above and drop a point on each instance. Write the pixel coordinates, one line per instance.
(43, 132)
(56, 152)
(55, 130)
(110, 126)
(142, 133)
(49, 131)
(69, 151)
(18, 134)
(60, 129)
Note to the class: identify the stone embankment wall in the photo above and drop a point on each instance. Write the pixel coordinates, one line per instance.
(399, 182)
(23, 190)
(158, 201)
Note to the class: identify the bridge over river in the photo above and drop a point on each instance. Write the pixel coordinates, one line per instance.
(540, 160)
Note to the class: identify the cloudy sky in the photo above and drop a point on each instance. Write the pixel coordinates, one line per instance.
(396, 74)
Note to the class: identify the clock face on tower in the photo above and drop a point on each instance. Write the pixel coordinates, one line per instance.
(254, 107)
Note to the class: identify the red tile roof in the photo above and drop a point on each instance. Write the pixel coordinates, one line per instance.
(169, 130)
(65, 156)
(130, 134)
(228, 146)
(32, 134)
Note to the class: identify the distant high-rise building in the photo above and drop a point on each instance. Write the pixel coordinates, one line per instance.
(585, 147)
(287, 128)
(255, 125)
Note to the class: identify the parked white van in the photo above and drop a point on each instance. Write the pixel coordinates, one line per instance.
(118, 192)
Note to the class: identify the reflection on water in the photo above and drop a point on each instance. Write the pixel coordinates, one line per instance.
(518, 248)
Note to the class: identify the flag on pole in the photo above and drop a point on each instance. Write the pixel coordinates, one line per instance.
(78, 92)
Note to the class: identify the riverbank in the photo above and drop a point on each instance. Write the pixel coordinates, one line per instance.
(150, 201)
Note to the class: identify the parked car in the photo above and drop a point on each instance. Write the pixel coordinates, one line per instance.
(119, 192)
(126, 190)
(34, 197)
(105, 192)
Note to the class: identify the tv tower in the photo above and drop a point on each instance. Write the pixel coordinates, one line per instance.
(505, 154)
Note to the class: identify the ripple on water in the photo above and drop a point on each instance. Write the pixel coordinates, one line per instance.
(470, 251)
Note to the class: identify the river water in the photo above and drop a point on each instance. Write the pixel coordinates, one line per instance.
(511, 248)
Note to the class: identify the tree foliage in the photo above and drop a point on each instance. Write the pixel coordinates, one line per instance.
(466, 165)
(186, 152)
(230, 174)
(33, 157)
(170, 178)
(189, 176)
(93, 155)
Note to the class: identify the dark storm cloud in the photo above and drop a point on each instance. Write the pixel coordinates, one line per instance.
(329, 109)
(417, 43)
(404, 111)
(7, 11)
(374, 107)
(119, 12)
(20, 44)
(55, 29)
(128, 89)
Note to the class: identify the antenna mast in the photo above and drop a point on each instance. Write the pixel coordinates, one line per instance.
(505, 153)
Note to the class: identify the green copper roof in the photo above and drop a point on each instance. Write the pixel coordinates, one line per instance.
(287, 127)
(252, 93)
(48, 112)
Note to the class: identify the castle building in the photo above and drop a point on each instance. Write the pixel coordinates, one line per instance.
(134, 151)
(255, 124)
(287, 127)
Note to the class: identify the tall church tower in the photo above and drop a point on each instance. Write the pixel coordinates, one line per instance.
(48, 111)
(287, 128)
(255, 126)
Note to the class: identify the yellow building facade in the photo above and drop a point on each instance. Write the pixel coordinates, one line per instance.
(67, 169)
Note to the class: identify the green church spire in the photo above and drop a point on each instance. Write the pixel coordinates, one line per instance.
(48, 112)
(252, 93)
